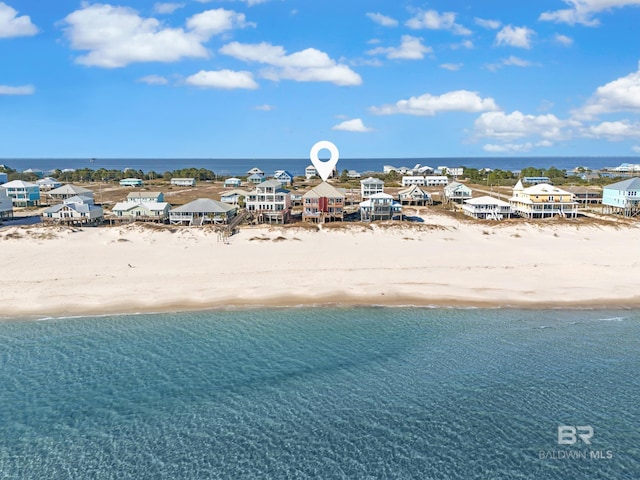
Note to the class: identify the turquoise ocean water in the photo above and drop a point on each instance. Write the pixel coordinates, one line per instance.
(353, 393)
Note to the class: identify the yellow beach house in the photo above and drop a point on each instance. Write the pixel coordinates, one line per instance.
(542, 201)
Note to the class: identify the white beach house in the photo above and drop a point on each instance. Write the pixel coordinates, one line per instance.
(183, 182)
(48, 183)
(370, 186)
(75, 210)
(486, 207)
(143, 196)
(202, 211)
(232, 182)
(457, 192)
(436, 180)
(269, 202)
(380, 206)
(310, 172)
(142, 211)
(414, 195)
(131, 182)
(68, 191)
(233, 197)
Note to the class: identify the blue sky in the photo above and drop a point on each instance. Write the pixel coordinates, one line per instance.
(269, 78)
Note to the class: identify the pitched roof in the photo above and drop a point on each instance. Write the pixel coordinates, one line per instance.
(19, 184)
(236, 191)
(324, 190)
(69, 189)
(371, 180)
(150, 206)
(545, 189)
(205, 205)
(412, 189)
(272, 183)
(487, 200)
(628, 184)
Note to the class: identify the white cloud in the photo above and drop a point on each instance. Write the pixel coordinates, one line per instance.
(117, 36)
(619, 95)
(429, 105)
(451, 66)
(355, 125)
(515, 147)
(309, 65)
(636, 148)
(583, 11)
(411, 48)
(514, 37)
(11, 25)
(215, 22)
(518, 125)
(225, 79)
(512, 61)
(488, 24)
(265, 108)
(21, 90)
(432, 20)
(166, 8)
(153, 80)
(563, 40)
(614, 131)
(382, 20)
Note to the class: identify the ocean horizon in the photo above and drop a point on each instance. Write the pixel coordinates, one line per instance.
(239, 166)
(345, 393)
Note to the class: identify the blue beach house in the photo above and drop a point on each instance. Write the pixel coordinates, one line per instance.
(622, 197)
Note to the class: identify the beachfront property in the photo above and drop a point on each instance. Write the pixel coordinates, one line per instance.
(22, 194)
(436, 180)
(232, 197)
(255, 178)
(269, 202)
(78, 210)
(380, 206)
(622, 197)
(414, 195)
(284, 177)
(586, 195)
(146, 211)
(201, 211)
(323, 203)
(4, 178)
(48, 183)
(486, 208)
(370, 186)
(535, 180)
(68, 191)
(131, 182)
(232, 182)
(183, 182)
(6, 205)
(255, 171)
(310, 172)
(143, 196)
(541, 201)
(456, 192)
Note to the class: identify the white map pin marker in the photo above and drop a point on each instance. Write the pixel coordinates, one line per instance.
(324, 169)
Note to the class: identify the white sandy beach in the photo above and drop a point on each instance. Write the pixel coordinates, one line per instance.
(59, 271)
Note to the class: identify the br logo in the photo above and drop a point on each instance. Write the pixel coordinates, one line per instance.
(569, 435)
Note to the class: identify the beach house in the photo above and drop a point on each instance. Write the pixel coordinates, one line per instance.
(68, 191)
(310, 172)
(456, 192)
(414, 195)
(6, 205)
(323, 203)
(202, 211)
(256, 171)
(352, 174)
(131, 182)
(144, 196)
(269, 202)
(436, 180)
(232, 182)
(22, 194)
(183, 182)
(409, 180)
(486, 207)
(78, 210)
(48, 183)
(284, 177)
(145, 211)
(541, 201)
(535, 180)
(622, 197)
(380, 206)
(585, 195)
(370, 186)
(233, 197)
(255, 178)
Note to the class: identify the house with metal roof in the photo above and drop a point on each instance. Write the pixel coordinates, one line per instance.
(414, 195)
(284, 177)
(269, 202)
(622, 197)
(232, 197)
(143, 196)
(232, 182)
(541, 201)
(48, 183)
(183, 182)
(486, 207)
(380, 206)
(456, 192)
(68, 191)
(370, 186)
(255, 178)
(22, 194)
(256, 171)
(145, 211)
(323, 203)
(310, 172)
(131, 182)
(76, 210)
(202, 211)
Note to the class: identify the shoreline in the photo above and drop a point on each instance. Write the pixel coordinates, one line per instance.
(443, 263)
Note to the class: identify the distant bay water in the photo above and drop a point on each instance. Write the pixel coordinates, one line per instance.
(297, 166)
(326, 393)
